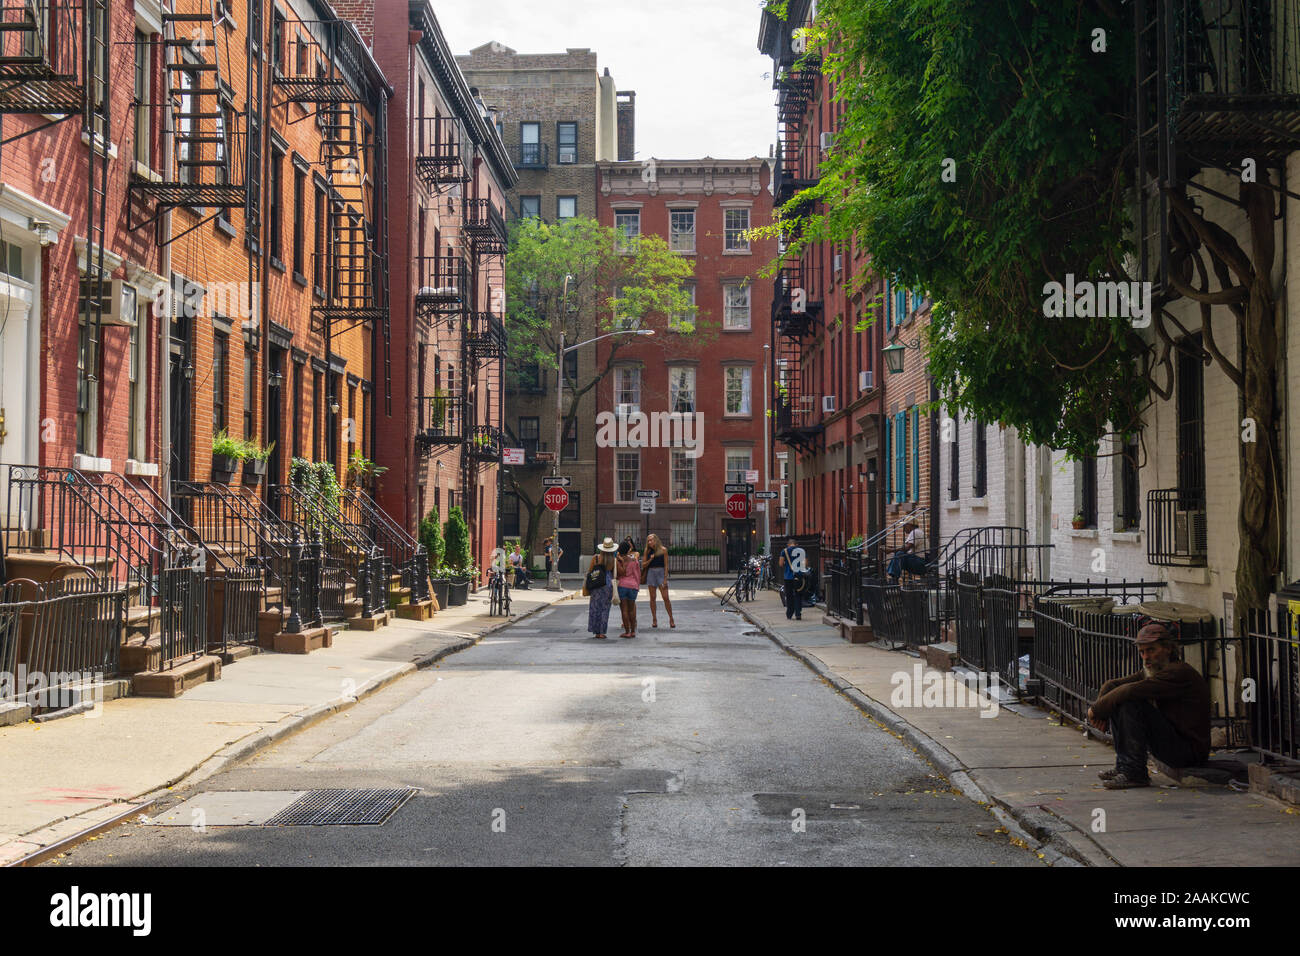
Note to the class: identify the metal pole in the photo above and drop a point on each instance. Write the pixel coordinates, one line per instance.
(553, 579)
(767, 471)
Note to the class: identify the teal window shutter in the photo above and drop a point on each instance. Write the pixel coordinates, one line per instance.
(889, 450)
(900, 457)
(916, 453)
(900, 306)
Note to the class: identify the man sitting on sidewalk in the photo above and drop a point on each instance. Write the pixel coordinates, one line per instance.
(1163, 709)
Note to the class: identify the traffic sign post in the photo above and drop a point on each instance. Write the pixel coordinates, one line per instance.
(556, 481)
(766, 495)
(556, 499)
(647, 506)
(512, 456)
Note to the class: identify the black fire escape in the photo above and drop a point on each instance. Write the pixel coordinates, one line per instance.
(1216, 84)
(41, 56)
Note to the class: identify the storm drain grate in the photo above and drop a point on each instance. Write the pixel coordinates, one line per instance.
(321, 808)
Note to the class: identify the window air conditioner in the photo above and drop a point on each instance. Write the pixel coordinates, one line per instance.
(864, 380)
(1190, 533)
(112, 295)
(839, 262)
(827, 141)
(783, 512)
(828, 403)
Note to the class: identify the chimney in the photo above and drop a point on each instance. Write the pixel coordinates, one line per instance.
(626, 125)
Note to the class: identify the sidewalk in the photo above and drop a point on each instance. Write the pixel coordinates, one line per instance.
(89, 771)
(1041, 777)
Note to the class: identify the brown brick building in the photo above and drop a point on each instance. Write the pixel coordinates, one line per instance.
(558, 116)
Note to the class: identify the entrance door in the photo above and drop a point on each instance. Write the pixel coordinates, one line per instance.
(739, 543)
(181, 463)
(274, 428)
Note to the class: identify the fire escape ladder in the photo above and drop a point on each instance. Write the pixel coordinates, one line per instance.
(97, 116)
(208, 164)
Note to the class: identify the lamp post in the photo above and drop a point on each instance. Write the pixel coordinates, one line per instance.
(767, 471)
(553, 578)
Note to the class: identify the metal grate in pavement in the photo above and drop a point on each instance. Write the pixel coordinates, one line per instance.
(320, 808)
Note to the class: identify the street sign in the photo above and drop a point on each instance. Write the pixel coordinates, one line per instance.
(647, 493)
(512, 456)
(545, 456)
(737, 489)
(738, 506)
(751, 474)
(647, 506)
(767, 495)
(760, 506)
(556, 481)
(557, 499)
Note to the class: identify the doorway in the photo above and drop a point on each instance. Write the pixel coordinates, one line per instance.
(739, 542)
(274, 418)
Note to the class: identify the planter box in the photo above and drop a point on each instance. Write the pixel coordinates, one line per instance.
(440, 586)
(224, 468)
(254, 471)
(458, 593)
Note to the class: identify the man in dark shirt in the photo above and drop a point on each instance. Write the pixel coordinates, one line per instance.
(791, 562)
(1163, 709)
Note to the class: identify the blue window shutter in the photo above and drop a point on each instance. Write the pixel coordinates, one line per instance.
(889, 450)
(900, 308)
(916, 453)
(900, 457)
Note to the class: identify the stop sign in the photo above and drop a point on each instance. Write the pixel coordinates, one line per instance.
(557, 499)
(738, 506)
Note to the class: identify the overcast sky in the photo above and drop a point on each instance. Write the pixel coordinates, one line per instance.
(694, 64)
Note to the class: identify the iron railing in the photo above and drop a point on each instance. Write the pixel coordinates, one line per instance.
(401, 551)
(1273, 661)
(1176, 527)
(903, 615)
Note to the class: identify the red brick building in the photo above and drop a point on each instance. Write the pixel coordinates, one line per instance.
(714, 376)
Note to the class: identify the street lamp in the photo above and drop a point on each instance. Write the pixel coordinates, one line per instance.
(894, 355)
(553, 578)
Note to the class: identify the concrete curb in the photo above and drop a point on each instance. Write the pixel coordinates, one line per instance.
(246, 747)
(1038, 829)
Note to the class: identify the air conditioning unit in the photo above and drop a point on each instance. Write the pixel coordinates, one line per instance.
(783, 512)
(113, 296)
(828, 404)
(839, 262)
(864, 380)
(827, 141)
(1190, 538)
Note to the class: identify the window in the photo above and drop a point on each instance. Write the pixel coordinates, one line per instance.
(319, 261)
(684, 321)
(185, 153)
(275, 213)
(567, 140)
(297, 409)
(571, 368)
(142, 100)
(569, 451)
(510, 515)
(530, 207)
(1128, 510)
(249, 392)
(738, 462)
(681, 230)
(681, 389)
(87, 385)
(954, 460)
(11, 260)
(221, 146)
(299, 220)
(530, 144)
(627, 222)
(627, 388)
(1191, 418)
(317, 414)
(735, 227)
(136, 371)
(979, 434)
(350, 426)
(566, 207)
(682, 478)
(1085, 490)
(736, 380)
(220, 366)
(277, 41)
(332, 420)
(627, 467)
(682, 534)
(735, 306)
(99, 72)
(530, 431)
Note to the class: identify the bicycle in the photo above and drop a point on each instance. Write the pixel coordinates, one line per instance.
(745, 587)
(498, 594)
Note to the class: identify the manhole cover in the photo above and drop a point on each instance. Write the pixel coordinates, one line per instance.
(321, 808)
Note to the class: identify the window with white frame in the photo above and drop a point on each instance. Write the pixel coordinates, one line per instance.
(682, 534)
(683, 478)
(681, 235)
(627, 468)
(137, 363)
(735, 297)
(627, 388)
(627, 529)
(735, 230)
(738, 462)
(681, 388)
(684, 321)
(628, 224)
(566, 207)
(736, 387)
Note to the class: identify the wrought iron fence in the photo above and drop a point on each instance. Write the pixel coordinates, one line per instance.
(903, 615)
(988, 612)
(1273, 659)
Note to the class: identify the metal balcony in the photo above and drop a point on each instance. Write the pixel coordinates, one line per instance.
(443, 286)
(531, 155)
(484, 226)
(484, 443)
(796, 302)
(438, 159)
(40, 57)
(485, 336)
(1176, 528)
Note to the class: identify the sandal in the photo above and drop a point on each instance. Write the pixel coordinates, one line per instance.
(599, 637)
(632, 634)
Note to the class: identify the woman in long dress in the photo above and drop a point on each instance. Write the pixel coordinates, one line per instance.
(601, 598)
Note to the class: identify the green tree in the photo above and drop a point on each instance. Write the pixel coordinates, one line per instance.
(430, 531)
(456, 533)
(615, 283)
(983, 153)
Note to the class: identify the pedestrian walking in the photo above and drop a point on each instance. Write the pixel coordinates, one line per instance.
(789, 554)
(599, 586)
(654, 575)
(629, 583)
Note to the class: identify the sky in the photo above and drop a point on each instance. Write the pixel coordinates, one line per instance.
(702, 87)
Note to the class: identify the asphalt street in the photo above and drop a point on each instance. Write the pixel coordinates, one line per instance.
(700, 745)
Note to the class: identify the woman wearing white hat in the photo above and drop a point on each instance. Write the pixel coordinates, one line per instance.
(599, 585)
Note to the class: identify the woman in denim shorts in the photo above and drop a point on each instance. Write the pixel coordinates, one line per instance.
(629, 583)
(655, 572)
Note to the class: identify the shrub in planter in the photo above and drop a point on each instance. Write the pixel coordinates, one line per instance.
(255, 458)
(458, 553)
(227, 453)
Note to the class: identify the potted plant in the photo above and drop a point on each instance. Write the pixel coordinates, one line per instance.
(1078, 522)
(362, 472)
(227, 453)
(438, 412)
(458, 556)
(255, 458)
(430, 532)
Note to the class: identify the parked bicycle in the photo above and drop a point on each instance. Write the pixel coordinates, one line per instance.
(745, 587)
(498, 593)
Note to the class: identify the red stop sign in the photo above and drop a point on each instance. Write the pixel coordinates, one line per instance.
(738, 506)
(557, 499)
